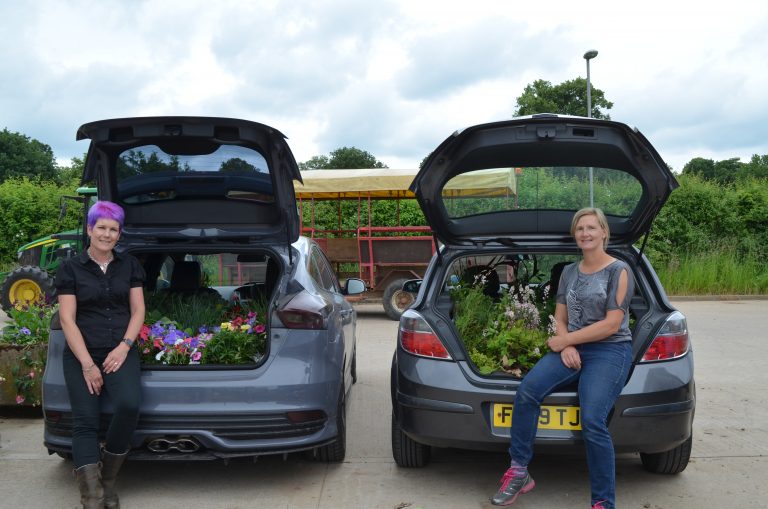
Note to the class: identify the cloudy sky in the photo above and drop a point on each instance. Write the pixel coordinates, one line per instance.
(393, 77)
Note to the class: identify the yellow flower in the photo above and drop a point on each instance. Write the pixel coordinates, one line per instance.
(226, 326)
(244, 328)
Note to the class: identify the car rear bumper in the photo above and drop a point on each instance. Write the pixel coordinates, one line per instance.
(288, 403)
(446, 404)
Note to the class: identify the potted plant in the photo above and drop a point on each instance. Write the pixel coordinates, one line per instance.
(23, 350)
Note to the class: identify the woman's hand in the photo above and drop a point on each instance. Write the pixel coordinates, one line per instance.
(93, 379)
(115, 359)
(558, 343)
(570, 357)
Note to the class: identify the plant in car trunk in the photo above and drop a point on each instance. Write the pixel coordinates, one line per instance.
(508, 333)
(198, 309)
(238, 337)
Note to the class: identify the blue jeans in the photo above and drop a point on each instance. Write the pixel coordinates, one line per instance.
(603, 373)
(124, 391)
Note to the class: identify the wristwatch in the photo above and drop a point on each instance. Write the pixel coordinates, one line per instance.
(128, 342)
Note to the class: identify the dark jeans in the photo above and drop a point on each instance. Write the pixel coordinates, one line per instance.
(124, 392)
(603, 373)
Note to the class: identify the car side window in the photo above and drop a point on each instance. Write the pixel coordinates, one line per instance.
(320, 270)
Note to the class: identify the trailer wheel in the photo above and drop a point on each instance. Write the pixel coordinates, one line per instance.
(25, 285)
(396, 300)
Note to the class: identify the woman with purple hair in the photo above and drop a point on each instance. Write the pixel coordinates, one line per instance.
(101, 307)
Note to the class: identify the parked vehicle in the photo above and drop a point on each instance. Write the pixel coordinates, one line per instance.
(32, 281)
(440, 398)
(210, 209)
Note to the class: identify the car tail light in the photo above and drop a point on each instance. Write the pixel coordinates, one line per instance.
(305, 311)
(418, 338)
(671, 341)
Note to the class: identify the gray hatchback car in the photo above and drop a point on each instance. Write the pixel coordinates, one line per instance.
(210, 210)
(517, 233)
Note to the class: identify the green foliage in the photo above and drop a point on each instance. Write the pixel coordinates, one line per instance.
(28, 325)
(505, 334)
(26, 376)
(702, 214)
(566, 98)
(194, 310)
(30, 210)
(23, 157)
(719, 271)
(233, 347)
(343, 158)
(728, 171)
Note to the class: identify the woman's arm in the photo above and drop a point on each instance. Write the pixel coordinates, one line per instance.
(67, 314)
(117, 356)
(596, 331)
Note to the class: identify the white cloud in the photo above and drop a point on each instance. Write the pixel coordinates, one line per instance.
(391, 77)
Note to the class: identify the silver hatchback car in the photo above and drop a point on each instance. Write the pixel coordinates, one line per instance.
(513, 233)
(210, 210)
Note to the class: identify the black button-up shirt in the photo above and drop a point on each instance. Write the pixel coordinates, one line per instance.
(103, 304)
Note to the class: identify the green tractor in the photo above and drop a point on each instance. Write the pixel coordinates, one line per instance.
(32, 281)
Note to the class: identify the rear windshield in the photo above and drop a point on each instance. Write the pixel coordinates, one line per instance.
(151, 173)
(541, 188)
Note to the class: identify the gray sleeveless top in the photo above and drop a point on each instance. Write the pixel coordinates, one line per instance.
(589, 297)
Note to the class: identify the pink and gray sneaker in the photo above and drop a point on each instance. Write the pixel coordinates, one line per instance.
(516, 480)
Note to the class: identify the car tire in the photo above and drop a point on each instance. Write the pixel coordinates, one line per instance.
(673, 461)
(336, 450)
(407, 452)
(27, 282)
(395, 300)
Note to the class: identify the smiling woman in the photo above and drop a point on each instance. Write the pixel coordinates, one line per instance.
(101, 308)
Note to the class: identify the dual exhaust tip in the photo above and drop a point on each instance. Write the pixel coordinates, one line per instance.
(183, 445)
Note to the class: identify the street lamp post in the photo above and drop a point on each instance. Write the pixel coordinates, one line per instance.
(589, 55)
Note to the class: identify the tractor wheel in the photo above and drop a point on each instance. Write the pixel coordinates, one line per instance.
(395, 300)
(25, 285)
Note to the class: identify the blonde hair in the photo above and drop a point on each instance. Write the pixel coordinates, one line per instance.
(601, 220)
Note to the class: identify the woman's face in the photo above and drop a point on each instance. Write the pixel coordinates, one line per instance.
(589, 234)
(104, 234)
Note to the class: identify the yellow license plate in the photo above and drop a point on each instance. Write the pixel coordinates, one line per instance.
(551, 417)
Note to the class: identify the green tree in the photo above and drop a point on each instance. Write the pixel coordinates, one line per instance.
(21, 156)
(346, 158)
(721, 172)
(566, 98)
(757, 167)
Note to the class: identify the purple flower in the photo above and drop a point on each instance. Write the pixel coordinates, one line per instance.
(203, 329)
(157, 330)
(173, 336)
(25, 331)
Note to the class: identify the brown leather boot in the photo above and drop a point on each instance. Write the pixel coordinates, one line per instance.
(110, 466)
(89, 481)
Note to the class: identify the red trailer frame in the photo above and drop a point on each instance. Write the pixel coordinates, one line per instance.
(385, 256)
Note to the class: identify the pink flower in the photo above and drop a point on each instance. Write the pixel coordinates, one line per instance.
(20, 399)
(32, 374)
(196, 356)
(259, 329)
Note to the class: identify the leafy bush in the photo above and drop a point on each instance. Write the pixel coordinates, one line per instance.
(28, 325)
(30, 210)
(509, 334)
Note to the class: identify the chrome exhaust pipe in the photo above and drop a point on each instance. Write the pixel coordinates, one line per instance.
(183, 445)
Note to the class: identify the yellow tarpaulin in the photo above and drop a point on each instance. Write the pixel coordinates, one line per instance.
(389, 183)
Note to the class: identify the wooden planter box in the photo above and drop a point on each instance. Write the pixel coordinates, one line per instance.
(9, 358)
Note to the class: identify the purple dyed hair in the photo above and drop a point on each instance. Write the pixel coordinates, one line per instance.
(105, 210)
